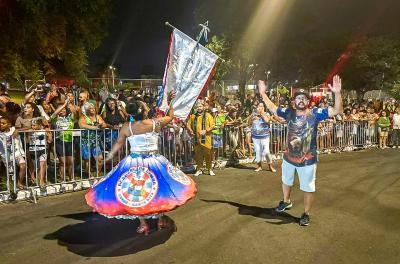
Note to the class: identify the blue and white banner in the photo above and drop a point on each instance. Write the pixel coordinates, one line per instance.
(188, 70)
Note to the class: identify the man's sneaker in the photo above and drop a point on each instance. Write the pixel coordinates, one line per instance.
(283, 206)
(211, 173)
(198, 173)
(304, 220)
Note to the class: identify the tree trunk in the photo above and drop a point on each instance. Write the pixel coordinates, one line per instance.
(360, 95)
(242, 83)
(242, 91)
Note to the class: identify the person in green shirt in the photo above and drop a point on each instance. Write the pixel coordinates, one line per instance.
(63, 122)
(219, 118)
(383, 124)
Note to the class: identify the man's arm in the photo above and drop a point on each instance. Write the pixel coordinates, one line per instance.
(270, 105)
(61, 107)
(336, 88)
(211, 123)
(83, 125)
(29, 95)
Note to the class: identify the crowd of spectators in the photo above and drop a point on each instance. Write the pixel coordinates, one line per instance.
(372, 121)
(63, 124)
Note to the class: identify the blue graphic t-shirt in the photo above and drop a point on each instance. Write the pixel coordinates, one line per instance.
(302, 135)
(259, 128)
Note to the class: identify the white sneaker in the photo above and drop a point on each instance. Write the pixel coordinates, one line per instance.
(258, 169)
(393, 147)
(212, 173)
(198, 173)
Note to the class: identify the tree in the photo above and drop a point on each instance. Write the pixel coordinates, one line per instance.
(395, 91)
(235, 61)
(312, 42)
(50, 38)
(375, 64)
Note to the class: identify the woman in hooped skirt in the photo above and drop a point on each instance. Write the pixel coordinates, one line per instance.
(144, 184)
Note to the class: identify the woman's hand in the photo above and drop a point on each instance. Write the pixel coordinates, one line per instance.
(103, 125)
(171, 96)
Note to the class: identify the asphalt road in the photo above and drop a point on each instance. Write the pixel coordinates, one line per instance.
(356, 219)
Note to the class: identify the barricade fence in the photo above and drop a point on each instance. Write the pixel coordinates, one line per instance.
(42, 162)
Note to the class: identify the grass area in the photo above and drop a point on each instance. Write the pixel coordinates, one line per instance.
(17, 96)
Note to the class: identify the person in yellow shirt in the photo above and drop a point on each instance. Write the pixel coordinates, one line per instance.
(200, 125)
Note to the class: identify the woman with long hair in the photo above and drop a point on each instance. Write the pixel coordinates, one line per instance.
(144, 184)
(24, 121)
(114, 116)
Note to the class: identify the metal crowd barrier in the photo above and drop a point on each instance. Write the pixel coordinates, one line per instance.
(41, 163)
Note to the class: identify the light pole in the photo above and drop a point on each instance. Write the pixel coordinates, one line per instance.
(112, 68)
(253, 68)
(291, 87)
(268, 73)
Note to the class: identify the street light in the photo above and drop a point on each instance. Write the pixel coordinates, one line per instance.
(112, 68)
(267, 73)
(253, 68)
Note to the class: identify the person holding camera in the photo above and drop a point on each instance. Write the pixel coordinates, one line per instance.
(260, 133)
(32, 95)
(92, 137)
(63, 121)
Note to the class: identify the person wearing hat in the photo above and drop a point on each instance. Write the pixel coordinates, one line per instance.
(201, 125)
(301, 152)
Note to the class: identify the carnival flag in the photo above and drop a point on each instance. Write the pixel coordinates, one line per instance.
(188, 70)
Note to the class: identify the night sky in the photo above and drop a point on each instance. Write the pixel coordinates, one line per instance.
(137, 42)
(138, 39)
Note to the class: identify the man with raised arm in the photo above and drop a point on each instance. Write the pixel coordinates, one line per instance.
(301, 152)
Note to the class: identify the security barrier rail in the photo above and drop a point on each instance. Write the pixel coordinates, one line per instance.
(44, 162)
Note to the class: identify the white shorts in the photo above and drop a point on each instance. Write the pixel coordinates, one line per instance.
(306, 174)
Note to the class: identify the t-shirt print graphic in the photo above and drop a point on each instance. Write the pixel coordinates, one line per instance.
(300, 133)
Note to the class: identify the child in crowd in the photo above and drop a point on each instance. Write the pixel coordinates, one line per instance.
(11, 149)
(37, 143)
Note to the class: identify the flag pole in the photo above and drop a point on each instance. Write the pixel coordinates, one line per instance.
(171, 26)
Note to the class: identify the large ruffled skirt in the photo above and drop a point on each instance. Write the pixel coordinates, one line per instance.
(141, 186)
